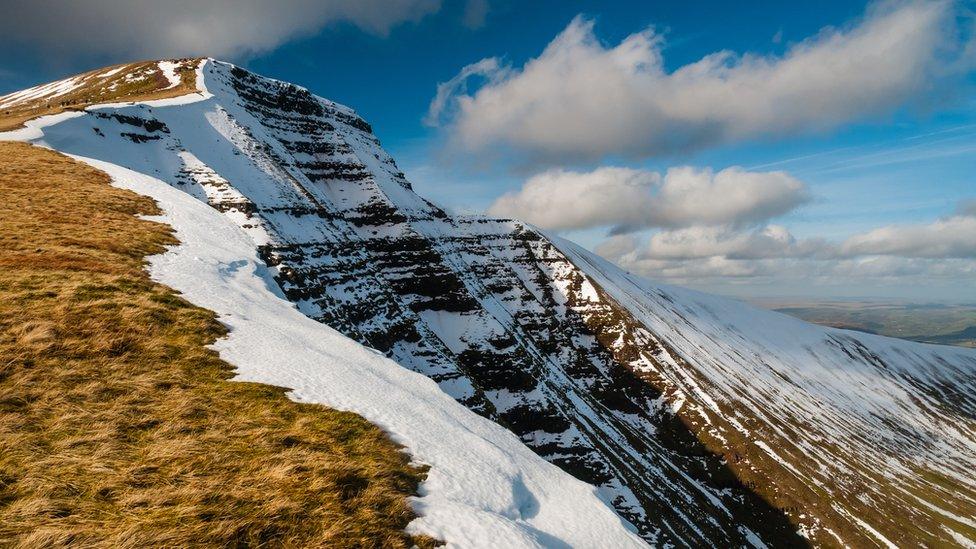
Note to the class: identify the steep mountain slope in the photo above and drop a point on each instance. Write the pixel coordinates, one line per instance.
(873, 437)
(483, 485)
(702, 420)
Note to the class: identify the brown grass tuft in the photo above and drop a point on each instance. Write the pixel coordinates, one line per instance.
(140, 81)
(117, 425)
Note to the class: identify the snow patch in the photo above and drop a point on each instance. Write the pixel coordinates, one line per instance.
(112, 72)
(168, 69)
(484, 484)
(33, 130)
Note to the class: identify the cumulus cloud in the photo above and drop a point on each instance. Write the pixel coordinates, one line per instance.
(617, 247)
(942, 250)
(629, 199)
(951, 237)
(699, 242)
(487, 68)
(559, 199)
(862, 272)
(582, 99)
(191, 27)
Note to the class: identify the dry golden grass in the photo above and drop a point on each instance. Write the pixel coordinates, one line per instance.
(95, 89)
(118, 427)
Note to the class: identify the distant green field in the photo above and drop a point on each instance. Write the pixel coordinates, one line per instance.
(941, 323)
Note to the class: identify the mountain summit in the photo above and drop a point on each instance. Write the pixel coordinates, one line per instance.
(701, 420)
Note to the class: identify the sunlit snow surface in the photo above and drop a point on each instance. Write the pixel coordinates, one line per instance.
(484, 487)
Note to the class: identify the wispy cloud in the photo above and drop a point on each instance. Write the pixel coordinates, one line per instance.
(475, 13)
(906, 155)
(895, 147)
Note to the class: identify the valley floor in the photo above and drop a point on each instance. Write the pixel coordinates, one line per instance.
(940, 323)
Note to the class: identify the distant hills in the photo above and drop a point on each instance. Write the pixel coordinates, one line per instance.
(941, 323)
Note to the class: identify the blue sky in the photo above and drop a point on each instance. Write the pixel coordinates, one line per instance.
(902, 164)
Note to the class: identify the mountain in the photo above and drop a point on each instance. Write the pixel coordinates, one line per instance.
(702, 420)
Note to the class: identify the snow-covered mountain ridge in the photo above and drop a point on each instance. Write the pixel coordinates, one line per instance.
(703, 420)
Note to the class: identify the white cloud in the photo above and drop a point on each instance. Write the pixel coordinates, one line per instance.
(617, 247)
(582, 99)
(941, 252)
(151, 28)
(629, 199)
(798, 275)
(770, 241)
(488, 68)
(560, 199)
(951, 237)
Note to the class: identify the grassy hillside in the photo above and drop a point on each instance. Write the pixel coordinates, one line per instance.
(138, 81)
(118, 426)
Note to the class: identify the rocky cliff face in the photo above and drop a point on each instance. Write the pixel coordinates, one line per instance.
(703, 421)
(488, 308)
